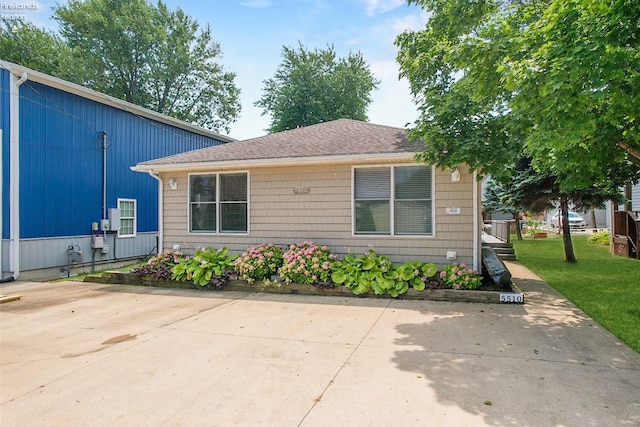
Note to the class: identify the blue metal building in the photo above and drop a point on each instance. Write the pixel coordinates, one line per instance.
(68, 194)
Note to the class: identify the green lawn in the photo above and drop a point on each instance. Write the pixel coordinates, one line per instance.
(604, 286)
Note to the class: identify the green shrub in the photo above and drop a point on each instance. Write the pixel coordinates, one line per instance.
(600, 238)
(307, 263)
(259, 263)
(207, 267)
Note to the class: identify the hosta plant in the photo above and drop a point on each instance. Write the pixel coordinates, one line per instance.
(416, 273)
(459, 276)
(370, 271)
(259, 263)
(600, 238)
(307, 263)
(205, 265)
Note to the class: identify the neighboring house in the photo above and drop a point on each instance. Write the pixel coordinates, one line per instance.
(626, 225)
(347, 184)
(66, 155)
(635, 198)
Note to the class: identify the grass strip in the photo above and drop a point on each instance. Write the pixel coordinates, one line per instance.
(604, 286)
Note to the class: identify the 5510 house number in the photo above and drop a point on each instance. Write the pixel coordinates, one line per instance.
(302, 190)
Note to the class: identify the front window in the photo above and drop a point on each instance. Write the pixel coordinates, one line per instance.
(393, 200)
(372, 200)
(233, 203)
(218, 203)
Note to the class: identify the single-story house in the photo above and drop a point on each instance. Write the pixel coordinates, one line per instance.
(346, 184)
(65, 174)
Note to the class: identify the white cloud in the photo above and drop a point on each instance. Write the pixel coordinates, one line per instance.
(412, 22)
(258, 4)
(381, 6)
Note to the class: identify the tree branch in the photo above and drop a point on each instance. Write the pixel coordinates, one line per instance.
(633, 152)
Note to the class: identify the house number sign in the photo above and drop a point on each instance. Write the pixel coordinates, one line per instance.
(302, 190)
(511, 298)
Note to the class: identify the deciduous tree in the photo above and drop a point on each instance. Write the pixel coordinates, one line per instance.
(150, 56)
(314, 86)
(556, 80)
(133, 50)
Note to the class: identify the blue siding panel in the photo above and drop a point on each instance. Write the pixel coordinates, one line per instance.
(61, 161)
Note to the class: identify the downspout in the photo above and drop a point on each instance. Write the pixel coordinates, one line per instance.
(1, 201)
(477, 248)
(8, 279)
(157, 177)
(14, 174)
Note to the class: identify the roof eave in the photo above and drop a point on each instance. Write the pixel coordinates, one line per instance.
(288, 161)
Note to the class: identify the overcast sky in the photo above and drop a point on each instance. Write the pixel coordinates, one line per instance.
(252, 33)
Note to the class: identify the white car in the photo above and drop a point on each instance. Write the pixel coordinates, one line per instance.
(576, 221)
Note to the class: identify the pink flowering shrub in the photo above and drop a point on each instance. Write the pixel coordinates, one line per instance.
(458, 276)
(307, 263)
(258, 263)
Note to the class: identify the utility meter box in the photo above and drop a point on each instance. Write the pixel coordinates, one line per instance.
(114, 219)
(97, 242)
(104, 224)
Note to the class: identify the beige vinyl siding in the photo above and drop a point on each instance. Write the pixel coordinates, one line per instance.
(278, 215)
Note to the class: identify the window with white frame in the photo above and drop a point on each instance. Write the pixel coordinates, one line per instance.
(218, 203)
(393, 200)
(127, 209)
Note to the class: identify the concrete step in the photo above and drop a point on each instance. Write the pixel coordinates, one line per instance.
(507, 257)
(95, 278)
(499, 251)
(9, 298)
(504, 251)
(499, 245)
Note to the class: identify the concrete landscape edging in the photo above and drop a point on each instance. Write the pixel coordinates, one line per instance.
(491, 297)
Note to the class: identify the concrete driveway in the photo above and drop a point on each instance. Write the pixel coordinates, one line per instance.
(77, 354)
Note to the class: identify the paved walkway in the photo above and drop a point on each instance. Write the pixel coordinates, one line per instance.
(78, 354)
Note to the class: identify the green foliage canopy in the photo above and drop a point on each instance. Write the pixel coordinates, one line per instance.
(151, 56)
(25, 44)
(315, 86)
(557, 80)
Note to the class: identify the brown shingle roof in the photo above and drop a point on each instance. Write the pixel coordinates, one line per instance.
(336, 138)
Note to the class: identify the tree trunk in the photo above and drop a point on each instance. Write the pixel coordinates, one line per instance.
(628, 196)
(569, 255)
(594, 222)
(516, 215)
